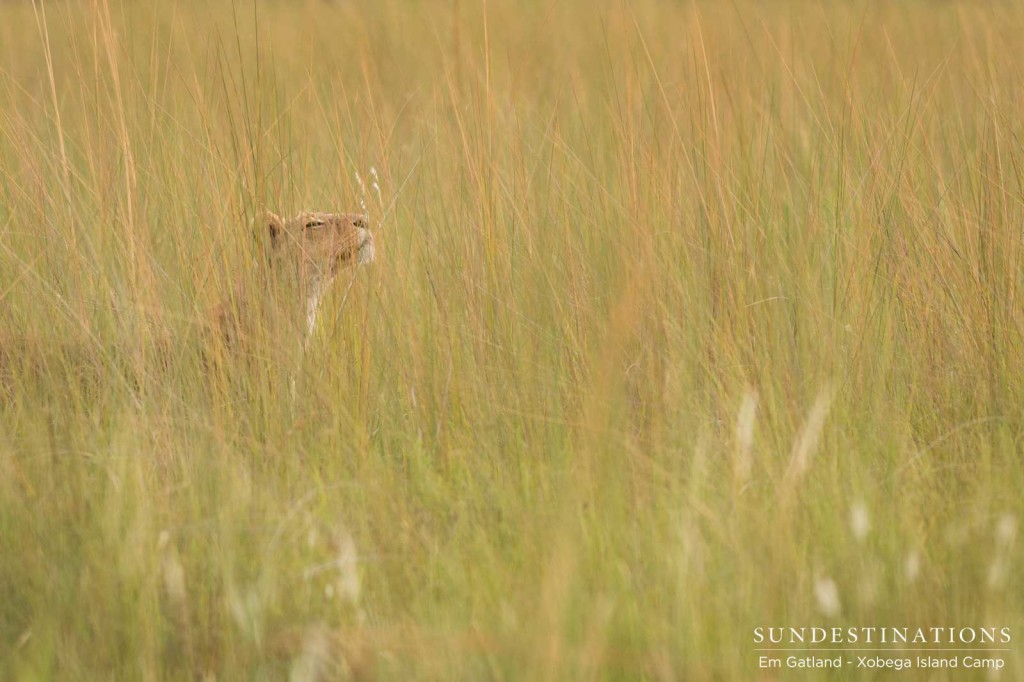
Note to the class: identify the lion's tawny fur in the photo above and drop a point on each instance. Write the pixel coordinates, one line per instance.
(306, 255)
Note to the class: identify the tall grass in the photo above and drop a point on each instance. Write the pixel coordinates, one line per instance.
(687, 318)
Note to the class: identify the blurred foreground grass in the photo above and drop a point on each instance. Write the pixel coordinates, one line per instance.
(687, 319)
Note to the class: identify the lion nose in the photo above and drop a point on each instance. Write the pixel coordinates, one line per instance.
(360, 222)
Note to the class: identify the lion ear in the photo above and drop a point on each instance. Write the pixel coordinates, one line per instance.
(274, 226)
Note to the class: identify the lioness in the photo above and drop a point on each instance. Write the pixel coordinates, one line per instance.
(270, 318)
(306, 254)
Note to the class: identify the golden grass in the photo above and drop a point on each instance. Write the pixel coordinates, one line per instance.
(687, 318)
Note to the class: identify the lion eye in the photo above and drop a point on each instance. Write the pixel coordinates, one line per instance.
(312, 224)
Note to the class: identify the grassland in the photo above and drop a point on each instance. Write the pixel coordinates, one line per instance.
(688, 318)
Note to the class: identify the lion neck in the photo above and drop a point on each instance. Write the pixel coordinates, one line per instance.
(298, 292)
(314, 295)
